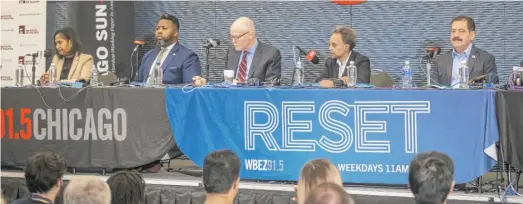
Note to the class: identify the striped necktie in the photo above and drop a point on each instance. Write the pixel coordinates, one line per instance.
(242, 72)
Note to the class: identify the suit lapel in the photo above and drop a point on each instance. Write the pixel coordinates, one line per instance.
(336, 68)
(472, 58)
(59, 66)
(74, 65)
(256, 59)
(449, 63)
(171, 55)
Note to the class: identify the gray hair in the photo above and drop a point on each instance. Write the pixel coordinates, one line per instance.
(347, 34)
(87, 190)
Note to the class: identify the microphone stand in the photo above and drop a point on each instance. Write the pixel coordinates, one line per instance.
(207, 67)
(34, 70)
(428, 67)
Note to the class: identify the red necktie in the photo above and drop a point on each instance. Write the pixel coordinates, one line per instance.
(242, 72)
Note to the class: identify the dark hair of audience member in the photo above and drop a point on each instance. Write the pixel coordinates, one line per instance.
(431, 177)
(43, 171)
(127, 187)
(220, 170)
(329, 193)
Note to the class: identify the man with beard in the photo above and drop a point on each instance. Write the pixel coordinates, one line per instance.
(179, 64)
(481, 64)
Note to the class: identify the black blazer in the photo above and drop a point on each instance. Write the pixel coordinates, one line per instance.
(266, 62)
(362, 63)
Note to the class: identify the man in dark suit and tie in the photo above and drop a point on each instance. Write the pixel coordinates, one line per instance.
(341, 45)
(179, 64)
(249, 57)
(479, 62)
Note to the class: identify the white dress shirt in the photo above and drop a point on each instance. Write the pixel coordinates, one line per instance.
(342, 66)
(165, 53)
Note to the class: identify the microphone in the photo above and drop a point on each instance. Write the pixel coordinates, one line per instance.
(433, 52)
(310, 56)
(138, 43)
(210, 43)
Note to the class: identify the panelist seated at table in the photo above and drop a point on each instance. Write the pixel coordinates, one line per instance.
(341, 48)
(479, 62)
(179, 64)
(71, 63)
(249, 57)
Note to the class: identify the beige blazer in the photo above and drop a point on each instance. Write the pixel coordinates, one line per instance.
(80, 68)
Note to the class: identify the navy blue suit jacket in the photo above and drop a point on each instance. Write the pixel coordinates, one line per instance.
(180, 66)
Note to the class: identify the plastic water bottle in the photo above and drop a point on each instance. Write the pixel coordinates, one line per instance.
(407, 76)
(20, 76)
(352, 74)
(158, 74)
(464, 75)
(94, 76)
(52, 74)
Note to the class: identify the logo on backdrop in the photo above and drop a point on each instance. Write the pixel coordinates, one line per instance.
(6, 17)
(6, 30)
(26, 60)
(6, 47)
(29, 45)
(105, 34)
(347, 125)
(22, 29)
(28, 1)
(65, 124)
(29, 14)
(6, 78)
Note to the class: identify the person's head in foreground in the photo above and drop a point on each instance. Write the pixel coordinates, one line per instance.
(316, 172)
(127, 187)
(44, 175)
(87, 190)
(329, 193)
(431, 177)
(221, 176)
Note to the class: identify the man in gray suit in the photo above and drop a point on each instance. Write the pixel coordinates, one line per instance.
(481, 64)
(249, 57)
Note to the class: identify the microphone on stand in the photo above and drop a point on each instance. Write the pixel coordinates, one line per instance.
(209, 43)
(432, 52)
(46, 53)
(138, 43)
(310, 55)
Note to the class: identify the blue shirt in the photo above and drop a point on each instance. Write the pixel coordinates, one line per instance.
(456, 63)
(250, 55)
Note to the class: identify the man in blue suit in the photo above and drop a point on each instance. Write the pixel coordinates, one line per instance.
(179, 64)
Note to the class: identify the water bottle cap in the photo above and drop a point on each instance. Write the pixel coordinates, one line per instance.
(351, 62)
(463, 61)
(407, 62)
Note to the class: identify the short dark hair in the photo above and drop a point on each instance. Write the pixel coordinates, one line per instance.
(172, 18)
(329, 193)
(43, 171)
(68, 33)
(431, 177)
(470, 22)
(127, 187)
(220, 170)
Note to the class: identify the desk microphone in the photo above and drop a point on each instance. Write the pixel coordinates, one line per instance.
(310, 55)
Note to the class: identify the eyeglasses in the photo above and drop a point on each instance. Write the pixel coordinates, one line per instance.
(237, 37)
